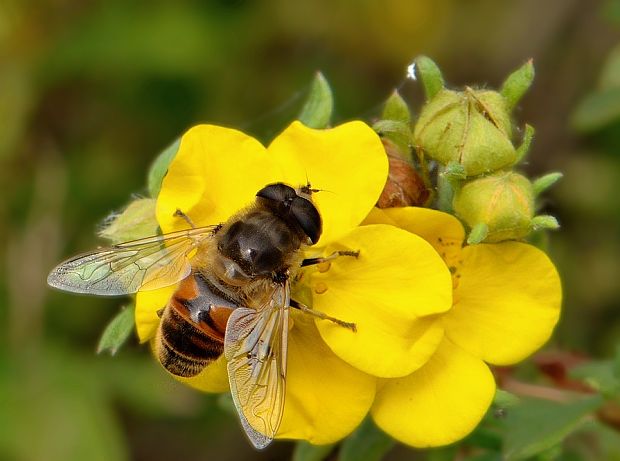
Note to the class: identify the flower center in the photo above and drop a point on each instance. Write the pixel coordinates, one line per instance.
(450, 252)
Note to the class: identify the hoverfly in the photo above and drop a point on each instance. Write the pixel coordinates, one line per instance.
(233, 296)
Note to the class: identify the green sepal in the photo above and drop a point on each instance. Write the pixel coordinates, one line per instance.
(478, 233)
(159, 168)
(136, 221)
(388, 127)
(305, 451)
(429, 75)
(367, 443)
(517, 84)
(524, 148)
(317, 110)
(545, 182)
(398, 132)
(396, 109)
(117, 331)
(544, 222)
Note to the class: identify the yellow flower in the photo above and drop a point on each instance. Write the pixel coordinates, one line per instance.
(416, 361)
(507, 299)
(397, 278)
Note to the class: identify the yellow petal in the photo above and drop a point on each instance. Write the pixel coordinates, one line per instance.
(397, 278)
(325, 398)
(442, 230)
(147, 305)
(440, 403)
(216, 172)
(347, 161)
(214, 378)
(507, 302)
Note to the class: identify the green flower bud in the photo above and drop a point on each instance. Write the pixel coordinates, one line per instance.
(504, 202)
(471, 128)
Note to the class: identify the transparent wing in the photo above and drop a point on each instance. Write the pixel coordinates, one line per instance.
(145, 264)
(255, 347)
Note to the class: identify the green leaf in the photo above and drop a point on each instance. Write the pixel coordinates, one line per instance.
(536, 425)
(117, 331)
(305, 451)
(396, 109)
(608, 443)
(486, 438)
(600, 375)
(429, 75)
(136, 221)
(367, 443)
(517, 83)
(597, 110)
(505, 399)
(317, 110)
(159, 168)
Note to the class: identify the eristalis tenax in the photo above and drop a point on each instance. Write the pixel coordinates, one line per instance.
(233, 294)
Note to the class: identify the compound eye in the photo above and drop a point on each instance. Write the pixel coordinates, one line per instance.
(308, 218)
(277, 192)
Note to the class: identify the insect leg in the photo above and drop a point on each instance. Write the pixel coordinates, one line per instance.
(334, 255)
(305, 309)
(180, 214)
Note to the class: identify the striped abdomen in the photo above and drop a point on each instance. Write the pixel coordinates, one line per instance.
(192, 328)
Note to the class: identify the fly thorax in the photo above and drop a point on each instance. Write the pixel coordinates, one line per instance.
(258, 244)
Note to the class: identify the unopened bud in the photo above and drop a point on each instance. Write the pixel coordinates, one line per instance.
(471, 128)
(504, 202)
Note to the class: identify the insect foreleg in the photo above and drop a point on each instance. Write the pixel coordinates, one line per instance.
(334, 255)
(180, 214)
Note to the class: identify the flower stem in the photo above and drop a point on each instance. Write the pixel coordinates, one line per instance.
(445, 191)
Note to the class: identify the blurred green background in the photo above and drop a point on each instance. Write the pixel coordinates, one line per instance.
(92, 90)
